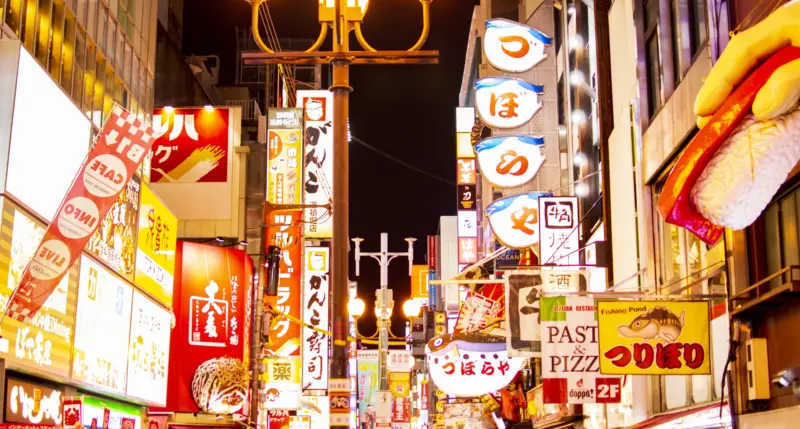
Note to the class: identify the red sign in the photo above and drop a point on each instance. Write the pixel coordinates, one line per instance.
(423, 395)
(122, 145)
(284, 230)
(127, 423)
(71, 412)
(401, 409)
(209, 303)
(192, 145)
(107, 417)
(432, 252)
(277, 419)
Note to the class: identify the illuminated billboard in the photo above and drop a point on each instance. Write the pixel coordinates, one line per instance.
(148, 353)
(114, 241)
(318, 162)
(316, 313)
(285, 156)
(100, 355)
(45, 344)
(49, 139)
(155, 247)
(192, 145)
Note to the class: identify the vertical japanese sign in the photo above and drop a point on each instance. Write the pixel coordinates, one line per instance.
(192, 145)
(523, 323)
(285, 156)
(318, 160)
(122, 145)
(400, 386)
(282, 383)
(278, 419)
(467, 250)
(481, 308)
(155, 254)
(654, 337)
(283, 230)
(571, 355)
(419, 282)
(368, 380)
(316, 313)
(432, 252)
(210, 306)
(558, 234)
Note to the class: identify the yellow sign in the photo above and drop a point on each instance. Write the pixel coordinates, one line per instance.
(43, 346)
(155, 254)
(400, 384)
(654, 337)
(419, 282)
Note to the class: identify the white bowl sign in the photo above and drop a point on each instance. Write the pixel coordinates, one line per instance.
(507, 162)
(506, 102)
(515, 219)
(513, 47)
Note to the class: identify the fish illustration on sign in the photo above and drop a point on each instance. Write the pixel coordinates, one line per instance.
(504, 102)
(513, 47)
(657, 323)
(508, 162)
(515, 220)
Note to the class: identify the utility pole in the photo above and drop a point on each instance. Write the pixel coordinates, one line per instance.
(384, 302)
(343, 17)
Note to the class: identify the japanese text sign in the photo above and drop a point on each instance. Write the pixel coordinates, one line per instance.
(44, 344)
(210, 306)
(467, 223)
(506, 102)
(318, 160)
(278, 419)
(193, 145)
(466, 171)
(31, 403)
(285, 156)
(114, 241)
(508, 162)
(148, 355)
(467, 250)
(400, 361)
(155, 254)
(432, 252)
(523, 324)
(654, 337)
(477, 312)
(570, 354)
(512, 47)
(515, 220)
(558, 231)
(123, 143)
(564, 280)
(316, 313)
(283, 230)
(368, 379)
(100, 354)
(282, 388)
(400, 386)
(462, 366)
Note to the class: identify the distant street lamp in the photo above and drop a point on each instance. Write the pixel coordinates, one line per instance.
(412, 308)
(356, 307)
(342, 16)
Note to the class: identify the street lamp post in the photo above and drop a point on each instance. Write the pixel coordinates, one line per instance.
(343, 17)
(384, 302)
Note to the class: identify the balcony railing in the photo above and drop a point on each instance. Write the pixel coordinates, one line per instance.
(250, 109)
(762, 295)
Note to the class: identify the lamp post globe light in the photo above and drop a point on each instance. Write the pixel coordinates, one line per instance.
(342, 17)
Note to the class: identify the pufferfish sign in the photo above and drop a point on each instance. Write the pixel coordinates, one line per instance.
(508, 162)
(513, 47)
(654, 337)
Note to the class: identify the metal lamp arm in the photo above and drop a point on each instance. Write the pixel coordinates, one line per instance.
(323, 31)
(426, 28)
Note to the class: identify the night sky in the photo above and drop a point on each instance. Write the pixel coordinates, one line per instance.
(407, 111)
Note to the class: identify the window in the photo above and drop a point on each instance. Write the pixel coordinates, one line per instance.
(699, 24)
(652, 56)
(57, 40)
(44, 17)
(781, 235)
(14, 15)
(69, 52)
(80, 64)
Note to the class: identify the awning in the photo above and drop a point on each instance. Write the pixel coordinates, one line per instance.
(704, 416)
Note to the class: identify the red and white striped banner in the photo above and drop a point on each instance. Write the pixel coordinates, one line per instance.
(122, 145)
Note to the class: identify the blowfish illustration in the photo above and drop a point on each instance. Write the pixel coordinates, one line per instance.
(658, 322)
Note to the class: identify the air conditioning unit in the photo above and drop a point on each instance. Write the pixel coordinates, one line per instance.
(758, 377)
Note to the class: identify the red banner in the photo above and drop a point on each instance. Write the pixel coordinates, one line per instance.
(209, 304)
(107, 418)
(107, 170)
(432, 252)
(278, 419)
(192, 145)
(284, 230)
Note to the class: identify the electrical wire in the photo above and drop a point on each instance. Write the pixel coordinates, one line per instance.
(401, 162)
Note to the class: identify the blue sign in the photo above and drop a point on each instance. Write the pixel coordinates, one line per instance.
(432, 289)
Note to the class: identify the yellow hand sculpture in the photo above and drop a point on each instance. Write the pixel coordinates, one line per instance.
(745, 51)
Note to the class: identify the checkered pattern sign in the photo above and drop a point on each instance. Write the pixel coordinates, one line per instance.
(110, 165)
(570, 353)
